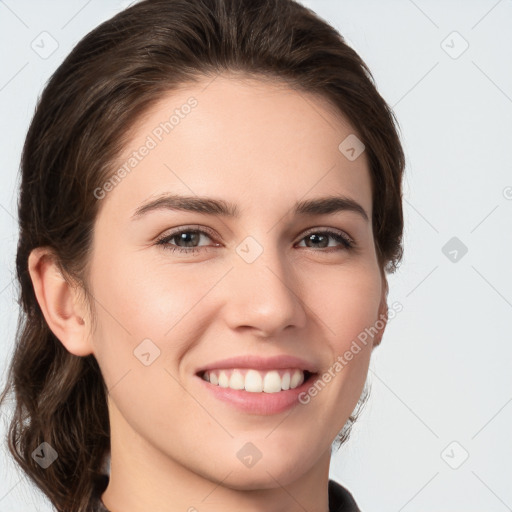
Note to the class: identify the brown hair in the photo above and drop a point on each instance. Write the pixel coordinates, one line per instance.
(112, 76)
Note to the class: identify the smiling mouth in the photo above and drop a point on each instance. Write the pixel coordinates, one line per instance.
(257, 381)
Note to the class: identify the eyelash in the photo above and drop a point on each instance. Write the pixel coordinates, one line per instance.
(348, 243)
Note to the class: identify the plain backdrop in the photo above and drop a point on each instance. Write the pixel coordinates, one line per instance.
(436, 432)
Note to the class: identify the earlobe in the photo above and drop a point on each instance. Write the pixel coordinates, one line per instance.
(59, 303)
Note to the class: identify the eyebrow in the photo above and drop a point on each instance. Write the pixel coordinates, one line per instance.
(210, 206)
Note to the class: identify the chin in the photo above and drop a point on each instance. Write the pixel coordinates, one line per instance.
(266, 477)
(277, 467)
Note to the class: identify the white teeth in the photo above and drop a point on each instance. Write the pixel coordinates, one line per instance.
(297, 379)
(255, 381)
(223, 380)
(237, 380)
(285, 383)
(272, 382)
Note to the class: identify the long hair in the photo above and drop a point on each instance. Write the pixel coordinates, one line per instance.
(83, 117)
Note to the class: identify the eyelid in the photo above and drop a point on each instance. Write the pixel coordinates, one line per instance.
(192, 227)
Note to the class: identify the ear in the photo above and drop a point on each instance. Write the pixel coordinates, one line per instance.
(59, 302)
(382, 320)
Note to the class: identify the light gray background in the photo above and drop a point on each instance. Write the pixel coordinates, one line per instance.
(441, 380)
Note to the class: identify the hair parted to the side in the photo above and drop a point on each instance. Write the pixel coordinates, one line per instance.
(112, 76)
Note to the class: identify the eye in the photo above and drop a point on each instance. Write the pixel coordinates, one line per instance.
(188, 237)
(320, 239)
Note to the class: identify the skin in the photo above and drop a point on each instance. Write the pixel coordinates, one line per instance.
(262, 146)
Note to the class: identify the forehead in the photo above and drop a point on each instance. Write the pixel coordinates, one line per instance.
(257, 143)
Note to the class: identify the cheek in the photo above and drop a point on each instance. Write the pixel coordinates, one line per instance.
(142, 298)
(346, 305)
(144, 328)
(347, 301)
(145, 294)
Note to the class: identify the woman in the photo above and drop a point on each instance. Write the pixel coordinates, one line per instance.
(210, 201)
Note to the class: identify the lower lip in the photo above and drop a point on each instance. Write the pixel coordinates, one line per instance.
(259, 403)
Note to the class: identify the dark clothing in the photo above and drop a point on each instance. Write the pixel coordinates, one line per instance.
(340, 499)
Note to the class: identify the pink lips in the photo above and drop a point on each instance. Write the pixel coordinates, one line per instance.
(261, 363)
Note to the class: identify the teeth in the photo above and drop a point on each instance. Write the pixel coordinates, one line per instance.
(237, 380)
(272, 382)
(254, 381)
(285, 383)
(297, 379)
(223, 380)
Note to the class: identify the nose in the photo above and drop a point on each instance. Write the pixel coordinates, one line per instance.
(263, 295)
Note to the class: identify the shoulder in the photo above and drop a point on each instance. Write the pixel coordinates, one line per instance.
(340, 499)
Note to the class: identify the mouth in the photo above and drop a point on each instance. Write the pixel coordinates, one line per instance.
(257, 381)
(259, 392)
(258, 385)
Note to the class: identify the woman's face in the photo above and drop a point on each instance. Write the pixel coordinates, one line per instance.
(254, 289)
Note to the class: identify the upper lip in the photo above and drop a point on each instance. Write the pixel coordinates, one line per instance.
(261, 363)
